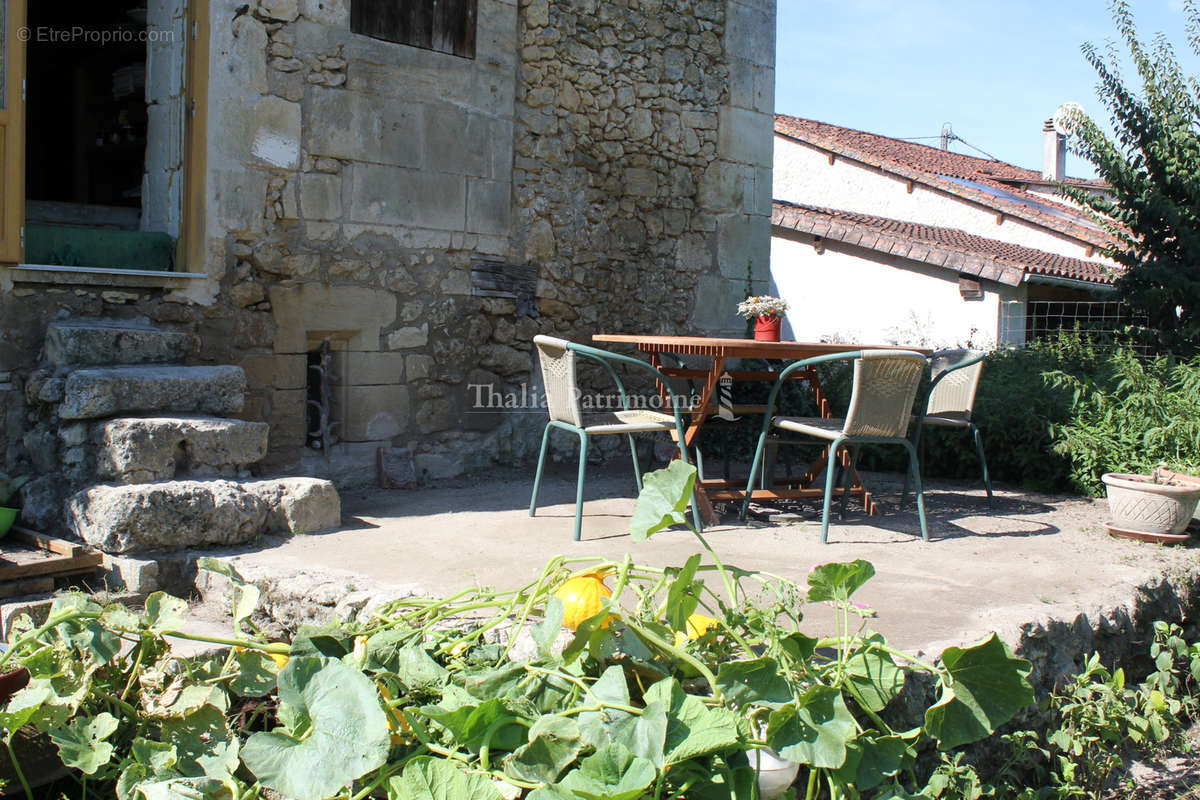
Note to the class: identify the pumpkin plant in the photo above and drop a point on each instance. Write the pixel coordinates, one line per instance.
(669, 683)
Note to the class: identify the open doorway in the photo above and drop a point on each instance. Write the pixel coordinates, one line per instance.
(104, 127)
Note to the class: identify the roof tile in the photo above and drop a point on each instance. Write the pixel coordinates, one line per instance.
(964, 251)
(995, 184)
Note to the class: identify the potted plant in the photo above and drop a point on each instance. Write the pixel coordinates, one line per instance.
(1156, 507)
(8, 491)
(768, 313)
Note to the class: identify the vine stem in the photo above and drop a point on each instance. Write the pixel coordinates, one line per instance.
(677, 653)
(12, 757)
(839, 641)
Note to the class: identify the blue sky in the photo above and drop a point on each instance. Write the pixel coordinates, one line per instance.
(994, 69)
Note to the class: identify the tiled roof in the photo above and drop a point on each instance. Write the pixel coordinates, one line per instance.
(951, 248)
(995, 184)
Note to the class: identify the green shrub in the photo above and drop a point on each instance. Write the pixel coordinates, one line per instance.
(1016, 409)
(1140, 414)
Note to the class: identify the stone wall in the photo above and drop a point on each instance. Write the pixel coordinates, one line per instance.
(618, 151)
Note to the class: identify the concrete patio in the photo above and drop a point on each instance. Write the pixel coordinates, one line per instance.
(1031, 559)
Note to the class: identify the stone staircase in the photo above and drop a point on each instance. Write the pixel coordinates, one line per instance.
(148, 455)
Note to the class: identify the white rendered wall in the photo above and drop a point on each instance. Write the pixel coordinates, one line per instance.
(849, 294)
(803, 175)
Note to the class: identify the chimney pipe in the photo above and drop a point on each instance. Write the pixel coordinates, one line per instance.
(1054, 153)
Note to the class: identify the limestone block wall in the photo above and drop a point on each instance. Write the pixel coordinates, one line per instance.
(353, 182)
(614, 157)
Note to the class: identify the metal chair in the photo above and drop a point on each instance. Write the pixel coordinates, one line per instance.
(558, 358)
(951, 402)
(881, 402)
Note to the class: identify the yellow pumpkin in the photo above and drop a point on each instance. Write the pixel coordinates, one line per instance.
(582, 597)
(697, 625)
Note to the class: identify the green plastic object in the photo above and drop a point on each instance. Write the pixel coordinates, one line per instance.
(66, 246)
(8, 516)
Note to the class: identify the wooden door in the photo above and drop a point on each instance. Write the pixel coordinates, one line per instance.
(12, 131)
(190, 251)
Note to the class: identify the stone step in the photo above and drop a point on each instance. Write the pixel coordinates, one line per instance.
(136, 518)
(91, 343)
(146, 449)
(112, 391)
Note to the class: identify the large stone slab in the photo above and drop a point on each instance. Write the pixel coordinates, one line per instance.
(173, 514)
(188, 513)
(88, 343)
(299, 505)
(111, 391)
(145, 449)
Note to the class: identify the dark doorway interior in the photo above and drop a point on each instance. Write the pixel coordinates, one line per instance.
(86, 136)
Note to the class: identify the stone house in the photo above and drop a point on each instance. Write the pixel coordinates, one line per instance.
(876, 239)
(414, 193)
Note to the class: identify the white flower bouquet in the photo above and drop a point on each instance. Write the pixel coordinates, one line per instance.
(762, 306)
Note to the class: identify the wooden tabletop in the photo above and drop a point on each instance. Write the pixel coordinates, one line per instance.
(738, 348)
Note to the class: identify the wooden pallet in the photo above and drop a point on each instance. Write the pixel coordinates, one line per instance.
(31, 562)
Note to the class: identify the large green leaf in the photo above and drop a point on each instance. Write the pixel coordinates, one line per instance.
(693, 729)
(29, 704)
(665, 496)
(245, 595)
(164, 612)
(546, 632)
(331, 641)
(204, 744)
(988, 686)
(683, 595)
(184, 789)
(612, 773)
(471, 725)
(82, 742)
(255, 674)
(394, 651)
(439, 779)
(756, 680)
(553, 744)
(838, 581)
(869, 760)
(875, 676)
(338, 731)
(150, 761)
(813, 729)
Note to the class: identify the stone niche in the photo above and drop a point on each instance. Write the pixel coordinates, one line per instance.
(365, 392)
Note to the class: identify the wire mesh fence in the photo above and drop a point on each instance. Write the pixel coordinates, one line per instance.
(1103, 321)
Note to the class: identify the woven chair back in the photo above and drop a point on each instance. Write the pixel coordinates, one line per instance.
(885, 386)
(954, 395)
(558, 375)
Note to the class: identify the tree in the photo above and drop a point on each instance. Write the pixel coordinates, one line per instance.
(1153, 167)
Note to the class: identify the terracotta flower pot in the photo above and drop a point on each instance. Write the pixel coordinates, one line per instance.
(12, 682)
(766, 329)
(1137, 503)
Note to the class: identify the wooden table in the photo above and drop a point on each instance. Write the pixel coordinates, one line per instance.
(721, 350)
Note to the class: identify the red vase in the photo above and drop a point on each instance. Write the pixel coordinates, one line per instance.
(766, 329)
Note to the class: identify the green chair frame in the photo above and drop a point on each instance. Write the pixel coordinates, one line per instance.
(606, 359)
(850, 441)
(963, 420)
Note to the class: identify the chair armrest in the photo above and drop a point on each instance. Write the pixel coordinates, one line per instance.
(605, 357)
(789, 369)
